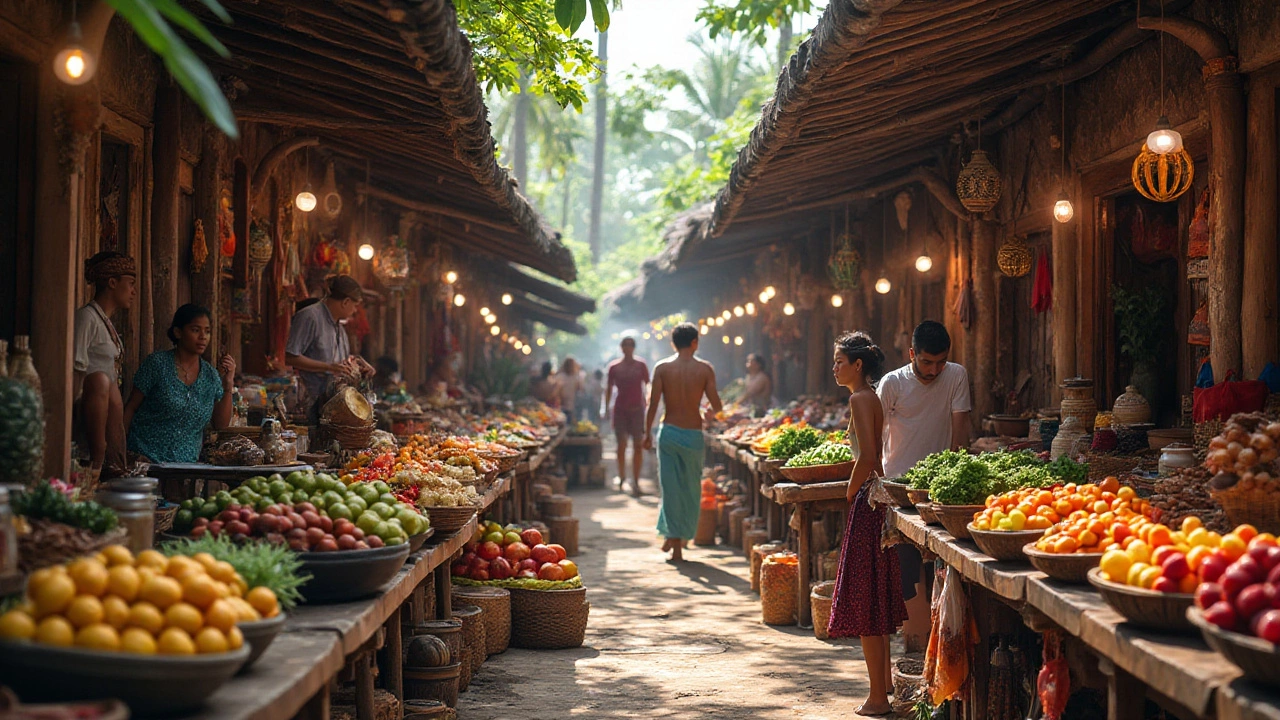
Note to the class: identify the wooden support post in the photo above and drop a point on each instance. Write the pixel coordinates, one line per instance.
(444, 592)
(1259, 316)
(317, 708)
(984, 302)
(393, 659)
(166, 167)
(418, 604)
(804, 611)
(1126, 695)
(364, 686)
(208, 195)
(817, 374)
(1065, 331)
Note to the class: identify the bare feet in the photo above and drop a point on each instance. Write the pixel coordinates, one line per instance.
(666, 545)
(635, 490)
(866, 709)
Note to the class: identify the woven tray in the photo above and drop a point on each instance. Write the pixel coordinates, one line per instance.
(448, 520)
(549, 619)
(51, 543)
(818, 473)
(350, 437)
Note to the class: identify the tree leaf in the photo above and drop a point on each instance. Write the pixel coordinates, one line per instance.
(579, 15)
(178, 15)
(600, 14)
(564, 14)
(216, 8)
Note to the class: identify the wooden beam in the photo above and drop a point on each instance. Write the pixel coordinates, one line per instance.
(323, 122)
(427, 206)
(562, 296)
(1258, 316)
(273, 158)
(984, 302)
(1065, 330)
(165, 211)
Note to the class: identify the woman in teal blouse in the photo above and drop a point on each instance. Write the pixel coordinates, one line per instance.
(176, 393)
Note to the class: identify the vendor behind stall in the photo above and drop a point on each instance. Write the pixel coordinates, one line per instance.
(318, 347)
(176, 393)
(100, 407)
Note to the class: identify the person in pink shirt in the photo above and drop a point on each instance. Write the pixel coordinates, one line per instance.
(630, 376)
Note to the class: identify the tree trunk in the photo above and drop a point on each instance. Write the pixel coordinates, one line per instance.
(566, 183)
(1065, 329)
(520, 137)
(598, 159)
(784, 42)
(1259, 315)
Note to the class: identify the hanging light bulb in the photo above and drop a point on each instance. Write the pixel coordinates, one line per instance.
(74, 64)
(365, 252)
(506, 298)
(1164, 139)
(491, 318)
(484, 312)
(451, 277)
(751, 308)
(726, 314)
(883, 286)
(738, 341)
(1062, 209)
(788, 309)
(739, 311)
(517, 344)
(459, 300)
(725, 339)
(704, 329)
(771, 291)
(764, 298)
(542, 341)
(494, 330)
(924, 263)
(526, 350)
(719, 322)
(837, 300)
(305, 200)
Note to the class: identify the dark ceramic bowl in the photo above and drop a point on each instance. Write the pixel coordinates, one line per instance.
(151, 685)
(259, 635)
(417, 541)
(349, 574)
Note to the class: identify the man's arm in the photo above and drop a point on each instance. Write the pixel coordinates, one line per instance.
(960, 430)
(608, 397)
(306, 364)
(655, 394)
(713, 395)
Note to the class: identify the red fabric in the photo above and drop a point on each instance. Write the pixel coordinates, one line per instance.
(1198, 240)
(1228, 398)
(629, 378)
(1042, 286)
(1054, 681)
(867, 601)
(1151, 238)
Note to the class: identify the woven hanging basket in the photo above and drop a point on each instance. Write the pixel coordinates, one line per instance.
(845, 265)
(1163, 178)
(393, 266)
(1014, 258)
(978, 185)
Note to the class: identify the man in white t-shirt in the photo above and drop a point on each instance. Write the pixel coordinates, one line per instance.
(926, 410)
(926, 402)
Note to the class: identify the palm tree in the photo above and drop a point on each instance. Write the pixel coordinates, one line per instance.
(726, 72)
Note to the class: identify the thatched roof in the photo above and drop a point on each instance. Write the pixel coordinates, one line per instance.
(881, 86)
(391, 81)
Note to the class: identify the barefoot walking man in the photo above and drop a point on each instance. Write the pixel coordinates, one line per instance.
(629, 375)
(680, 382)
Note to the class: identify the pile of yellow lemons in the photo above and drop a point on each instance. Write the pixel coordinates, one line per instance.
(147, 604)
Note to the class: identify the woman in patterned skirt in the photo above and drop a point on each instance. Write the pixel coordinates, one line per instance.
(868, 597)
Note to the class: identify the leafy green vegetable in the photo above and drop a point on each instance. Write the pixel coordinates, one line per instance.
(828, 453)
(967, 483)
(957, 478)
(45, 502)
(795, 440)
(275, 567)
(1067, 470)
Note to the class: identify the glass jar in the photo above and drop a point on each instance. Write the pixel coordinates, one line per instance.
(144, 485)
(8, 537)
(1175, 456)
(137, 514)
(289, 441)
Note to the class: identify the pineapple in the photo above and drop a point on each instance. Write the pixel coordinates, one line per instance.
(21, 432)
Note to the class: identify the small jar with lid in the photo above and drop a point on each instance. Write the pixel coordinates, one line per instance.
(289, 445)
(137, 514)
(1175, 456)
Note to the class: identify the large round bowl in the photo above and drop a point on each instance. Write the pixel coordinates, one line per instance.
(1166, 612)
(956, 518)
(349, 574)
(818, 473)
(928, 513)
(151, 685)
(915, 497)
(1068, 567)
(1003, 544)
(1258, 659)
(259, 635)
(897, 491)
(417, 541)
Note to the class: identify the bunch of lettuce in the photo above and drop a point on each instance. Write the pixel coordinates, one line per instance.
(795, 440)
(922, 474)
(968, 482)
(1066, 470)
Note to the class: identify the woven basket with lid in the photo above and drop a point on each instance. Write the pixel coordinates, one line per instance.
(1131, 408)
(1078, 402)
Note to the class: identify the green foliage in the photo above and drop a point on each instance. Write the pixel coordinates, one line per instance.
(751, 18)
(828, 453)
(501, 377)
(154, 21)
(264, 564)
(45, 502)
(957, 478)
(795, 440)
(1065, 470)
(1139, 322)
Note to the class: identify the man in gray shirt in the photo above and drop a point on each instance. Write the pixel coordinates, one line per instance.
(318, 347)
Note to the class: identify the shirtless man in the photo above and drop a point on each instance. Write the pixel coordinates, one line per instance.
(680, 382)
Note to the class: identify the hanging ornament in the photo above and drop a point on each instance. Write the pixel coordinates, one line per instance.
(260, 245)
(978, 185)
(845, 264)
(330, 200)
(199, 248)
(1014, 258)
(393, 265)
(1163, 178)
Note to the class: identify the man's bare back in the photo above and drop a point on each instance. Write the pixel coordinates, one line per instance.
(681, 381)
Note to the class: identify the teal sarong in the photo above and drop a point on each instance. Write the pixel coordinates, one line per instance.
(680, 462)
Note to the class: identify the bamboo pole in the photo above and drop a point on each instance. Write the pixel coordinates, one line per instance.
(1064, 305)
(984, 297)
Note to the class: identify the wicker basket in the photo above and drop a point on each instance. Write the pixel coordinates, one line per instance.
(473, 637)
(1003, 545)
(428, 710)
(928, 513)
(898, 491)
(735, 525)
(506, 462)
(758, 554)
(820, 603)
(818, 473)
(956, 518)
(464, 668)
(1258, 508)
(496, 603)
(450, 631)
(164, 518)
(753, 537)
(448, 520)
(440, 684)
(779, 575)
(52, 543)
(540, 490)
(1146, 608)
(908, 682)
(565, 532)
(706, 533)
(1258, 659)
(350, 437)
(1069, 568)
(559, 484)
(549, 619)
(555, 506)
(1102, 466)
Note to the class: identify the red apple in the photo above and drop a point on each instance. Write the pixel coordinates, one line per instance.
(470, 547)
(516, 552)
(489, 550)
(529, 574)
(551, 571)
(1252, 600)
(1213, 567)
(468, 557)
(500, 569)
(1222, 615)
(1208, 595)
(479, 574)
(1165, 584)
(544, 554)
(1236, 579)
(531, 537)
(1175, 566)
(1268, 626)
(373, 541)
(570, 569)
(530, 564)
(1253, 567)
(1273, 577)
(560, 552)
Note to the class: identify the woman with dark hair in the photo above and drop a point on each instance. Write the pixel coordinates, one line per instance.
(867, 602)
(176, 393)
(759, 393)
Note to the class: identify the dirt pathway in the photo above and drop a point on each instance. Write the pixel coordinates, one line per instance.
(667, 641)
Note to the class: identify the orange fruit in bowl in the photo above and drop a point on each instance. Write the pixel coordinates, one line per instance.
(89, 575)
(175, 641)
(137, 640)
(235, 639)
(1246, 532)
(180, 566)
(117, 555)
(264, 601)
(211, 640)
(1233, 546)
(99, 636)
(123, 582)
(160, 591)
(199, 590)
(52, 593)
(184, 616)
(152, 559)
(17, 625)
(221, 614)
(84, 610)
(147, 617)
(55, 630)
(115, 612)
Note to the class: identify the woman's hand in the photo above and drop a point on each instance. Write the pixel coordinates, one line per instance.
(227, 371)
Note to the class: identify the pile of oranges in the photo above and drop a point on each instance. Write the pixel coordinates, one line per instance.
(1065, 506)
(149, 604)
(1093, 518)
(1176, 561)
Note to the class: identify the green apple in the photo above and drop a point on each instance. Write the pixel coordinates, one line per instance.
(383, 510)
(367, 521)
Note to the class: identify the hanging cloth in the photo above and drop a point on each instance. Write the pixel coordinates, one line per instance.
(1042, 286)
(964, 305)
